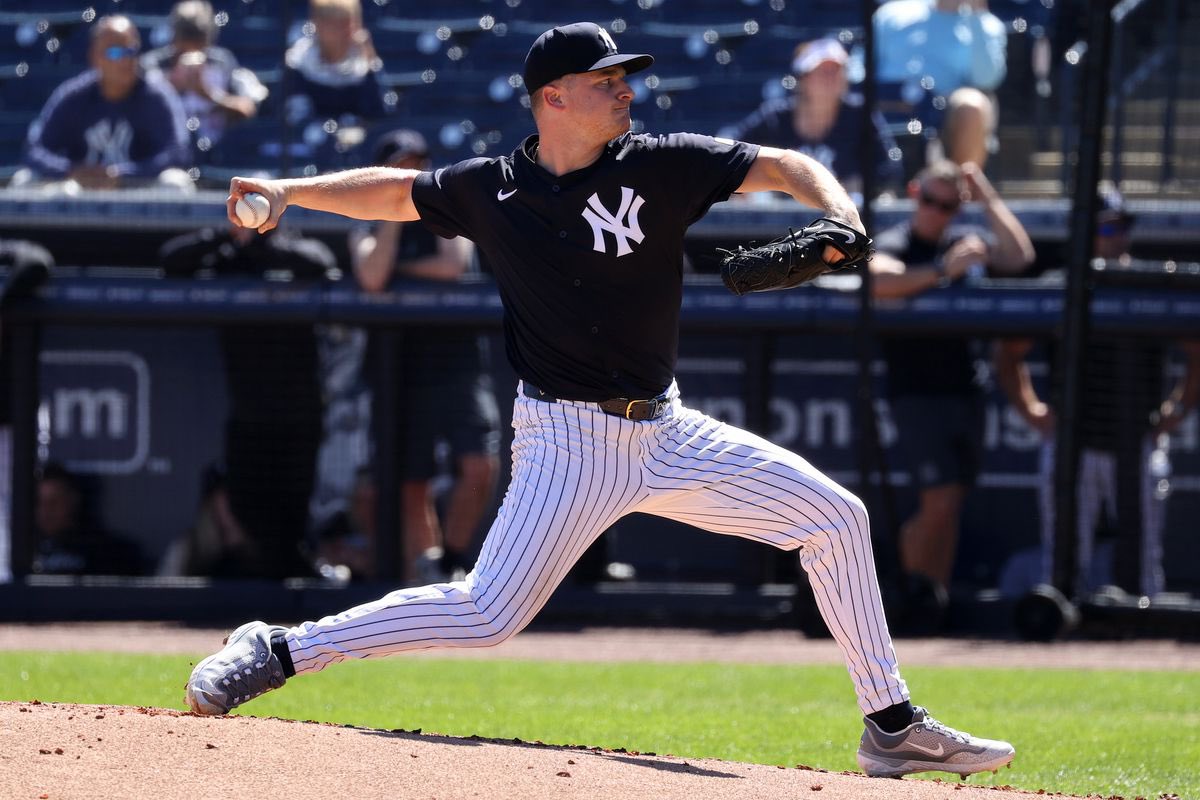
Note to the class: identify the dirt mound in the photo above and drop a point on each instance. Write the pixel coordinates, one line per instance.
(59, 750)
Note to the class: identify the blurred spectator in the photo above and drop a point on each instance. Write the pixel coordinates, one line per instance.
(952, 48)
(447, 391)
(273, 430)
(234, 250)
(932, 384)
(66, 542)
(347, 540)
(112, 126)
(1124, 423)
(26, 265)
(822, 119)
(346, 438)
(334, 71)
(217, 545)
(211, 85)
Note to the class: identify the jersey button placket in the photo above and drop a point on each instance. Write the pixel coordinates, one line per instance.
(562, 234)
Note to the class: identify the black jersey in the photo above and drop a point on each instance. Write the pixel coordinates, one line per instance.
(838, 151)
(589, 264)
(933, 364)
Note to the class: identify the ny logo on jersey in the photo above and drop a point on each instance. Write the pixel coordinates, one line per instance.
(623, 225)
(108, 143)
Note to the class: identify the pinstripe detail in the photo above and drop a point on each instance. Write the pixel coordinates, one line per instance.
(703, 470)
(1096, 493)
(575, 472)
(553, 510)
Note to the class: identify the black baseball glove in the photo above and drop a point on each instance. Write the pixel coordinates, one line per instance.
(793, 259)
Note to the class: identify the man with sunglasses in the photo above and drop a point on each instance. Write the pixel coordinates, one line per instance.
(933, 390)
(1124, 426)
(113, 125)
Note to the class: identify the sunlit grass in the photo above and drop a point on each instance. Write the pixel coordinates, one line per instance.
(1078, 732)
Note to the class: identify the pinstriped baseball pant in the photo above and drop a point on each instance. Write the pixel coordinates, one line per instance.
(576, 471)
(1096, 493)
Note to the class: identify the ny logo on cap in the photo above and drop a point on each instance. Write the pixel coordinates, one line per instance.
(623, 225)
(609, 44)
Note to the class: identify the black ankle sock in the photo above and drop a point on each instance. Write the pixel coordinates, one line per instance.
(279, 647)
(893, 718)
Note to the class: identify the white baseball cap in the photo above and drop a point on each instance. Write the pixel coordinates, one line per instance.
(818, 52)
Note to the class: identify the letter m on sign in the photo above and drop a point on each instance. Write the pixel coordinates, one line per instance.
(623, 225)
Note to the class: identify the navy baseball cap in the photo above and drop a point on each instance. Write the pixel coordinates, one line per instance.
(578, 47)
(1112, 207)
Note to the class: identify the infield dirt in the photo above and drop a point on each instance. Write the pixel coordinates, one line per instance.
(57, 750)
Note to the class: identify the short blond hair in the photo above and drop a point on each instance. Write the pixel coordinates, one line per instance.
(335, 8)
(943, 170)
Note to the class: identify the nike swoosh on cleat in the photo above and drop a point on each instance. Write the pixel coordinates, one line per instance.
(503, 195)
(933, 751)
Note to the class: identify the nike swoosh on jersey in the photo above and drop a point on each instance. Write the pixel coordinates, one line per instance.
(503, 195)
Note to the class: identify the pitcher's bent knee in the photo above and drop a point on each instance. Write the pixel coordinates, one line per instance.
(839, 516)
(492, 625)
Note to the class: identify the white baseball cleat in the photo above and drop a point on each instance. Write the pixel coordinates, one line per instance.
(241, 671)
(927, 745)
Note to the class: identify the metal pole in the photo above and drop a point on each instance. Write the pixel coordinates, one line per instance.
(23, 397)
(1117, 98)
(1077, 296)
(868, 146)
(870, 448)
(1068, 125)
(389, 532)
(1174, 17)
(285, 139)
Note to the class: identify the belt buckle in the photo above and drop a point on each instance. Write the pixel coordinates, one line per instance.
(656, 404)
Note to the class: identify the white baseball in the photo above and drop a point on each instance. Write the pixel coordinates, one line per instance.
(252, 210)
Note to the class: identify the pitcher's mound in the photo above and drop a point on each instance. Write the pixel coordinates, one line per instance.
(60, 750)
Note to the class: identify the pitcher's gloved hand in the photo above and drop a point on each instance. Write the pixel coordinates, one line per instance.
(794, 259)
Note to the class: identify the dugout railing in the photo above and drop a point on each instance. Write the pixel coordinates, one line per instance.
(764, 333)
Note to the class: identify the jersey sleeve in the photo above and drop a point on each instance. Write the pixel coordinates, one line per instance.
(47, 144)
(443, 197)
(707, 169)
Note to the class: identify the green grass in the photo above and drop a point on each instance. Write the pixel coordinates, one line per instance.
(1078, 732)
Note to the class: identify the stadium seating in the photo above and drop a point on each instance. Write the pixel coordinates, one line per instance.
(453, 69)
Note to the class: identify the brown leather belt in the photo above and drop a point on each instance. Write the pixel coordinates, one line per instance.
(636, 410)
